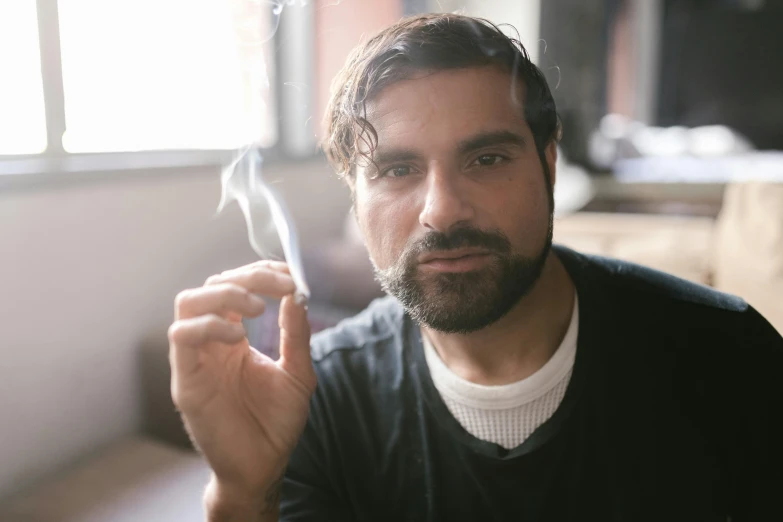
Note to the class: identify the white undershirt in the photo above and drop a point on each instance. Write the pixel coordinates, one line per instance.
(509, 413)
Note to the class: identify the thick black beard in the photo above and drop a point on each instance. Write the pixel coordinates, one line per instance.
(469, 301)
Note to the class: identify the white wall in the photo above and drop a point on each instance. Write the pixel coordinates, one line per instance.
(87, 271)
(524, 15)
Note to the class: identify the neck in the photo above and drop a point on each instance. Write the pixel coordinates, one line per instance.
(521, 342)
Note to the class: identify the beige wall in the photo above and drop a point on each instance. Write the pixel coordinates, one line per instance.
(87, 271)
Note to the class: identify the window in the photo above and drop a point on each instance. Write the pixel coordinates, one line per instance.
(137, 76)
(22, 115)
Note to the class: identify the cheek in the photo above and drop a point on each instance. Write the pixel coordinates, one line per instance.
(384, 221)
(522, 211)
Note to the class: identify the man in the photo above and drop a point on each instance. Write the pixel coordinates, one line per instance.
(506, 379)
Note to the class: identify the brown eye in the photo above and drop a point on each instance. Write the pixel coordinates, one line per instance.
(488, 160)
(397, 172)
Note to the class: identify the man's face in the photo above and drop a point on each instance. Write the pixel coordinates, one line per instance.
(457, 214)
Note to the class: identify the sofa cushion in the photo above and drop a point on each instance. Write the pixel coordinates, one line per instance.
(748, 258)
(681, 246)
(137, 479)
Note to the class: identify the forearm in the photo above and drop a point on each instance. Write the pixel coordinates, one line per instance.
(224, 505)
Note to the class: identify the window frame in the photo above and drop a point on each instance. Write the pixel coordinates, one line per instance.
(294, 143)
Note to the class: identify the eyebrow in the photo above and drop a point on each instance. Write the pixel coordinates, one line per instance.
(485, 139)
(488, 139)
(383, 157)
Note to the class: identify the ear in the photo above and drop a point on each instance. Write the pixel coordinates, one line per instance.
(349, 177)
(550, 154)
(353, 229)
(351, 182)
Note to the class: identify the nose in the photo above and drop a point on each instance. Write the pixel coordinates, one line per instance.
(446, 203)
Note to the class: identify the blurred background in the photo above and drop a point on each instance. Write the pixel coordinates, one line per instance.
(117, 117)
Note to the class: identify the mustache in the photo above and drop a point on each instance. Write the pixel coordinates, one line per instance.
(492, 240)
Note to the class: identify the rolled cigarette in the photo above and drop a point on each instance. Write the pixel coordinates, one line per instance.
(300, 298)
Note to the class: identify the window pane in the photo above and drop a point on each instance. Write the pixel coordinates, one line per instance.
(22, 116)
(164, 74)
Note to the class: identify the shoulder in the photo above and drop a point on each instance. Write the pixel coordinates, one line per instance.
(378, 324)
(663, 305)
(359, 363)
(630, 280)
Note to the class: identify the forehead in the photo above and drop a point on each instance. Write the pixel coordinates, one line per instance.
(446, 106)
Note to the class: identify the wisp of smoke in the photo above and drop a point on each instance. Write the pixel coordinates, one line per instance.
(241, 181)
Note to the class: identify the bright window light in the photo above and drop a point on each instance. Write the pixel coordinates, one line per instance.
(22, 115)
(164, 74)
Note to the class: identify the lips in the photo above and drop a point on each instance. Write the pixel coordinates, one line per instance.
(451, 255)
(454, 260)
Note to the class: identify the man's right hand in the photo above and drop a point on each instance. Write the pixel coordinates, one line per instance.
(243, 410)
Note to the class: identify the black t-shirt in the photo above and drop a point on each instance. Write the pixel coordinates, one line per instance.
(674, 412)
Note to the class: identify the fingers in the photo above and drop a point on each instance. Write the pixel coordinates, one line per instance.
(197, 331)
(222, 299)
(187, 336)
(266, 278)
(213, 313)
(280, 266)
(295, 342)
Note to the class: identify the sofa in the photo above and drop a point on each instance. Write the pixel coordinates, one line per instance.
(156, 476)
(739, 252)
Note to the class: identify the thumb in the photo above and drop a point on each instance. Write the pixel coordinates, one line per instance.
(295, 341)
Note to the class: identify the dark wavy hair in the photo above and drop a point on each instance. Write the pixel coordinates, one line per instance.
(428, 42)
